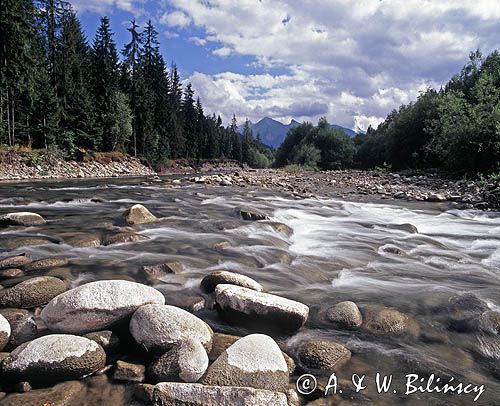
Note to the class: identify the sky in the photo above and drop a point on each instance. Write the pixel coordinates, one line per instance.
(352, 61)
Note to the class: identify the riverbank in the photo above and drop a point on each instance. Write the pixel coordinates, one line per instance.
(360, 185)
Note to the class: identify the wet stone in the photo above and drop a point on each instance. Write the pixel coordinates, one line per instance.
(64, 394)
(215, 278)
(128, 371)
(46, 263)
(345, 315)
(25, 219)
(32, 292)
(321, 356)
(23, 327)
(15, 261)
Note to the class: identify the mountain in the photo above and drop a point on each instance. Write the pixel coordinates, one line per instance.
(273, 133)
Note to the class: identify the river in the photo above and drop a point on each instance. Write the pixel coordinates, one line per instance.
(339, 250)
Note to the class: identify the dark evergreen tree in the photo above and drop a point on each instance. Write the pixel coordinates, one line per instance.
(246, 143)
(73, 89)
(130, 76)
(105, 81)
(178, 144)
(189, 118)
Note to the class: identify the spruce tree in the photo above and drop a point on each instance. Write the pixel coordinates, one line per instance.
(73, 76)
(130, 76)
(178, 145)
(246, 143)
(105, 78)
(189, 120)
(235, 140)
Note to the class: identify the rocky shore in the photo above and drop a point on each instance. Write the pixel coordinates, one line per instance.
(19, 166)
(464, 194)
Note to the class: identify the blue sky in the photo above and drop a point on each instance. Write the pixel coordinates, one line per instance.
(352, 61)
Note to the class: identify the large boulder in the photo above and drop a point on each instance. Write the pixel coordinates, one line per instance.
(255, 361)
(192, 394)
(23, 327)
(186, 362)
(239, 303)
(25, 218)
(138, 214)
(54, 358)
(209, 282)
(15, 261)
(4, 332)
(32, 292)
(97, 305)
(159, 327)
(344, 315)
(322, 357)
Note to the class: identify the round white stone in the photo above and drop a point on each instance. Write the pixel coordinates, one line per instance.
(97, 305)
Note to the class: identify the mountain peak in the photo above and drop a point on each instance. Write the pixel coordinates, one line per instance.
(273, 132)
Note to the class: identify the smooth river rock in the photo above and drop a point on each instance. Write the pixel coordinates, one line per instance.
(239, 303)
(15, 261)
(138, 214)
(25, 218)
(158, 328)
(32, 292)
(345, 315)
(381, 320)
(53, 358)
(4, 332)
(45, 263)
(186, 362)
(255, 361)
(193, 394)
(97, 305)
(209, 282)
(321, 356)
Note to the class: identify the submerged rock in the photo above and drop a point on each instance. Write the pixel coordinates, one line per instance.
(138, 214)
(25, 219)
(125, 237)
(321, 356)
(15, 261)
(255, 361)
(15, 243)
(11, 273)
(345, 315)
(32, 292)
(4, 332)
(383, 320)
(45, 263)
(186, 362)
(85, 241)
(171, 393)
(209, 282)
(55, 357)
(242, 303)
(158, 328)
(154, 272)
(97, 305)
(252, 214)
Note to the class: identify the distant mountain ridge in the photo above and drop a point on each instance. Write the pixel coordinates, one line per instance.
(273, 133)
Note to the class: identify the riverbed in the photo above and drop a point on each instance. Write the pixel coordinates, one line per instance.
(420, 259)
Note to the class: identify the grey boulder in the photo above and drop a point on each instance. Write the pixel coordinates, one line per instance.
(345, 315)
(158, 328)
(241, 303)
(255, 361)
(24, 218)
(193, 394)
(209, 282)
(186, 362)
(138, 214)
(97, 305)
(53, 358)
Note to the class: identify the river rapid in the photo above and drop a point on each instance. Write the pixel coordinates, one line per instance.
(339, 250)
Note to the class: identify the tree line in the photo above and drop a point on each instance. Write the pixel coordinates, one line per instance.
(59, 92)
(455, 130)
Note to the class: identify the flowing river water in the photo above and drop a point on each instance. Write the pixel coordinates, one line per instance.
(339, 250)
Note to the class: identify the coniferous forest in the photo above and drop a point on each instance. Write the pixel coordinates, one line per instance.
(61, 91)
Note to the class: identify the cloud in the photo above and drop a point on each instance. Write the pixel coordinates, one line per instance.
(358, 58)
(106, 6)
(175, 19)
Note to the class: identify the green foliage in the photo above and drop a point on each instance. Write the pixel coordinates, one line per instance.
(319, 146)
